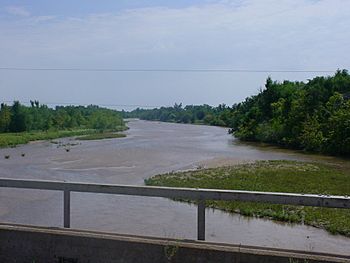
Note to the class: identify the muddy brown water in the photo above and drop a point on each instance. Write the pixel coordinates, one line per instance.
(150, 148)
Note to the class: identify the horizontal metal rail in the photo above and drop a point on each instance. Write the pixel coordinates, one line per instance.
(200, 195)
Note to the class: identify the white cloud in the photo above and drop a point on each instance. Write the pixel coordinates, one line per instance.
(40, 19)
(271, 34)
(207, 35)
(17, 11)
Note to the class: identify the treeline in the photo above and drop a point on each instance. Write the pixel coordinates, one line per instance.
(39, 117)
(314, 116)
(198, 114)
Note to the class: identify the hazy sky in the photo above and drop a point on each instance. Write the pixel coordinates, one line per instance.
(181, 34)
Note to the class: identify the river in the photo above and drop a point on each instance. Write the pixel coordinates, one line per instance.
(150, 148)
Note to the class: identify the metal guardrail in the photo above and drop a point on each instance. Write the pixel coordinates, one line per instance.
(201, 195)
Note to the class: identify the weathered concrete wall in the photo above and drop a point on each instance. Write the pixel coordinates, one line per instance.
(44, 245)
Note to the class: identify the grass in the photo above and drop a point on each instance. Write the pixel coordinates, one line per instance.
(101, 136)
(13, 139)
(273, 176)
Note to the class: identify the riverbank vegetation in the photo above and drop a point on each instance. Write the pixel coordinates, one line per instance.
(101, 136)
(273, 176)
(13, 139)
(312, 116)
(20, 124)
(196, 114)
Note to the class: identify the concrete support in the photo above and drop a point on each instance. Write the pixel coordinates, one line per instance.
(66, 208)
(201, 220)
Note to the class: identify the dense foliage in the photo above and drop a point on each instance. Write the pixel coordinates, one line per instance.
(314, 116)
(201, 114)
(20, 118)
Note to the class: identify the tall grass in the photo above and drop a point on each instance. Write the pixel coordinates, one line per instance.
(13, 139)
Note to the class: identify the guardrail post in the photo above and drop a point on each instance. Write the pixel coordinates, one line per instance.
(66, 208)
(201, 220)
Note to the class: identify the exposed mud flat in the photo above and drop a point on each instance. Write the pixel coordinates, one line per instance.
(150, 148)
(219, 162)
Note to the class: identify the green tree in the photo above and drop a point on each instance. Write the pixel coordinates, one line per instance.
(5, 118)
(18, 119)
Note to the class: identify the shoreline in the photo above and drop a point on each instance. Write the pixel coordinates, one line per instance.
(12, 140)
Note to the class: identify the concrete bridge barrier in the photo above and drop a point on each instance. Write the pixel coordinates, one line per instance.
(29, 244)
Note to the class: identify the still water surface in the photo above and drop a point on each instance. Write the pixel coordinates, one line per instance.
(150, 148)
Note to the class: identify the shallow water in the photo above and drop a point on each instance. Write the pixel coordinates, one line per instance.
(150, 148)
